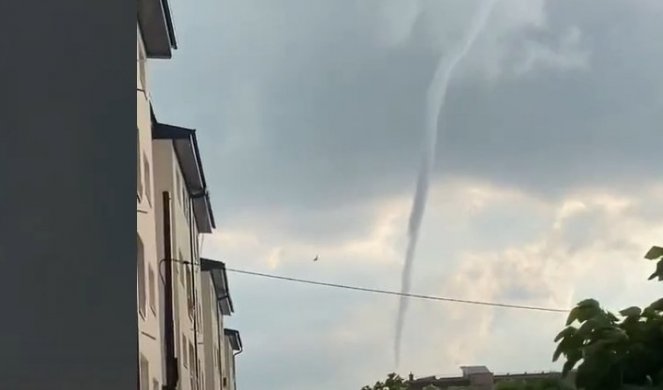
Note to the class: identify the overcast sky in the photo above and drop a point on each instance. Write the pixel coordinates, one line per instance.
(548, 186)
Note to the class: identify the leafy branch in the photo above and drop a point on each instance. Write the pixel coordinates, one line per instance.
(612, 352)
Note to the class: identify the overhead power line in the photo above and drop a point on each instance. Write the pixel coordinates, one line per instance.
(397, 293)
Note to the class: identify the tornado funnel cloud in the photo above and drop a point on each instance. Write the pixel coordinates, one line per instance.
(435, 98)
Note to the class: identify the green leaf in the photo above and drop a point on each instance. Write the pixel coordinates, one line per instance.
(568, 366)
(612, 318)
(654, 253)
(583, 311)
(659, 270)
(657, 305)
(615, 335)
(588, 303)
(573, 315)
(568, 331)
(632, 311)
(596, 346)
(558, 352)
(586, 328)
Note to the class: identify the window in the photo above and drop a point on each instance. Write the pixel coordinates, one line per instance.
(199, 311)
(185, 203)
(189, 297)
(148, 179)
(141, 62)
(184, 268)
(201, 377)
(185, 352)
(177, 188)
(152, 290)
(219, 360)
(144, 373)
(192, 358)
(139, 174)
(215, 358)
(141, 276)
(198, 314)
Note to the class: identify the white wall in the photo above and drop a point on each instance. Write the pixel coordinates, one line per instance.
(149, 344)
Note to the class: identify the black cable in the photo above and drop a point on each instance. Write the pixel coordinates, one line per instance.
(388, 292)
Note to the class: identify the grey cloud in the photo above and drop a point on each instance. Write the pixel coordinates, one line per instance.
(553, 130)
(341, 115)
(305, 118)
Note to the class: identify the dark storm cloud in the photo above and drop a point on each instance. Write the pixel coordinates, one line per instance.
(339, 118)
(553, 130)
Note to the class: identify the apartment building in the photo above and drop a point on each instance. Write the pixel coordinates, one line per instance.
(154, 39)
(215, 296)
(181, 298)
(184, 213)
(233, 347)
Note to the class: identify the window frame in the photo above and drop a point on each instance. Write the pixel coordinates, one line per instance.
(148, 179)
(185, 352)
(140, 276)
(151, 280)
(139, 167)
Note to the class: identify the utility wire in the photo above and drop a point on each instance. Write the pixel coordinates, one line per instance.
(396, 293)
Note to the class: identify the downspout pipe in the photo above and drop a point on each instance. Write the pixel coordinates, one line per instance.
(172, 371)
(241, 349)
(193, 292)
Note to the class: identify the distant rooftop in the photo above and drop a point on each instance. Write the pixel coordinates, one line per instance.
(473, 370)
(471, 377)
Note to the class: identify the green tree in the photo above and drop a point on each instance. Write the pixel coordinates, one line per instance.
(614, 352)
(431, 387)
(393, 382)
(534, 384)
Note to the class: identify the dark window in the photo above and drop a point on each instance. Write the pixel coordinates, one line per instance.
(141, 275)
(152, 290)
(144, 373)
(139, 174)
(148, 180)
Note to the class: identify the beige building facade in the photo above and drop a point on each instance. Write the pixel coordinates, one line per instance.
(154, 39)
(181, 302)
(184, 214)
(215, 295)
(233, 347)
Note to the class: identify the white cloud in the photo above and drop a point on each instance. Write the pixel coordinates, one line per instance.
(568, 55)
(506, 48)
(551, 270)
(396, 20)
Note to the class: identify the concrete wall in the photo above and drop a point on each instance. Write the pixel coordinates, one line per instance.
(149, 346)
